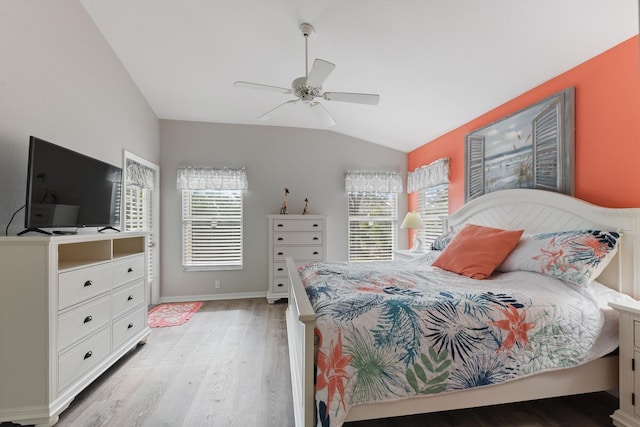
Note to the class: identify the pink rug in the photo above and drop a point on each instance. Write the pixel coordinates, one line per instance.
(172, 314)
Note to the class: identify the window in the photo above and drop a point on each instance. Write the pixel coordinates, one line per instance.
(212, 218)
(212, 229)
(373, 220)
(373, 214)
(137, 210)
(140, 183)
(433, 203)
(431, 182)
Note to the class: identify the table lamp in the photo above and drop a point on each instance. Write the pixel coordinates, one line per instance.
(412, 222)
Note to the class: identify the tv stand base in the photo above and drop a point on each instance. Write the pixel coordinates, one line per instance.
(36, 230)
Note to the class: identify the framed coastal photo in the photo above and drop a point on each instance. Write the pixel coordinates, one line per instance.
(532, 148)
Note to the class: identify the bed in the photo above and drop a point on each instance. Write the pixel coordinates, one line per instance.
(533, 211)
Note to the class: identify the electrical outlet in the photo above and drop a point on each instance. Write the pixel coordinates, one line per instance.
(217, 284)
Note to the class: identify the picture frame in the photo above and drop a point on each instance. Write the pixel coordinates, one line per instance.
(531, 148)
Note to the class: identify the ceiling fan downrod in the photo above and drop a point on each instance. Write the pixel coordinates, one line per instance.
(307, 30)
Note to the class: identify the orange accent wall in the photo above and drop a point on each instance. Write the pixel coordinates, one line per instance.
(607, 134)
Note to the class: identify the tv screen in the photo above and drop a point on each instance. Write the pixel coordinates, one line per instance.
(69, 189)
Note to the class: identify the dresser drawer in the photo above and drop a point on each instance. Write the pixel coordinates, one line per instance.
(311, 253)
(280, 269)
(281, 285)
(297, 225)
(128, 326)
(128, 269)
(127, 298)
(82, 321)
(297, 238)
(80, 359)
(79, 285)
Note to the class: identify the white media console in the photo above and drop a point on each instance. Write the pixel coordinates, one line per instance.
(70, 307)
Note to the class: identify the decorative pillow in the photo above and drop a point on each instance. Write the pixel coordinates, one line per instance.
(475, 251)
(575, 257)
(443, 240)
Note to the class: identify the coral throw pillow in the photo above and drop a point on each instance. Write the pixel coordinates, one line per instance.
(476, 251)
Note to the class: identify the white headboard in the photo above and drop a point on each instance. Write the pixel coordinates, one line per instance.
(538, 211)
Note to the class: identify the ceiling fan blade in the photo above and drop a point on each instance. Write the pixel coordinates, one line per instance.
(322, 114)
(271, 113)
(358, 98)
(319, 72)
(259, 86)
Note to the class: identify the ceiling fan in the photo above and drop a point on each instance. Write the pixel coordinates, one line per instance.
(309, 87)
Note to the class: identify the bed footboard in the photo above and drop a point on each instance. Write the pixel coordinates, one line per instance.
(300, 319)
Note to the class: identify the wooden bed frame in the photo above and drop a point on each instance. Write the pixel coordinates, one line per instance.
(534, 211)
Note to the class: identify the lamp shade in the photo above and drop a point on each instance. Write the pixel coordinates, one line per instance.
(412, 220)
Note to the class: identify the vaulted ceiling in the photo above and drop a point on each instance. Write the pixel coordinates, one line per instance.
(435, 64)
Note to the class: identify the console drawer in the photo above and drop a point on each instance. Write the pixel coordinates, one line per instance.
(129, 325)
(81, 358)
(128, 269)
(79, 285)
(127, 298)
(82, 321)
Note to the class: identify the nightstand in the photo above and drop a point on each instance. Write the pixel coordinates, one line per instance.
(629, 356)
(406, 255)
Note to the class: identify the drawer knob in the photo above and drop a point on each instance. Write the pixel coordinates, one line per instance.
(130, 270)
(316, 252)
(280, 239)
(315, 225)
(280, 253)
(88, 354)
(279, 285)
(88, 283)
(315, 238)
(130, 297)
(88, 319)
(130, 325)
(280, 269)
(280, 225)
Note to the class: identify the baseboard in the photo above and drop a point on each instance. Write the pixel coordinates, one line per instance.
(214, 297)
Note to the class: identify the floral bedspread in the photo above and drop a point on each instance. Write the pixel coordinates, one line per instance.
(392, 330)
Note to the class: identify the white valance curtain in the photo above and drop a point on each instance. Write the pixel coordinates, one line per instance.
(192, 178)
(140, 175)
(428, 176)
(373, 182)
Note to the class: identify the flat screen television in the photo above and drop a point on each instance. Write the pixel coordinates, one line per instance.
(66, 189)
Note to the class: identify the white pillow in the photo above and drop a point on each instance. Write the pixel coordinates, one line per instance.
(575, 257)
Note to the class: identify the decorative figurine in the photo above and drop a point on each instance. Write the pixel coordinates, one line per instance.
(306, 204)
(283, 208)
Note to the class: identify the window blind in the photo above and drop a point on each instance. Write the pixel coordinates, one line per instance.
(138, 217)
(433, 203)
(212, 229)
(373, 219)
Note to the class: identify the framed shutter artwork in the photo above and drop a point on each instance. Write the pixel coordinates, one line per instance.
(532, 148)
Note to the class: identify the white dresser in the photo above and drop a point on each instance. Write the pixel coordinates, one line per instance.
(70, 307)
(302, 237)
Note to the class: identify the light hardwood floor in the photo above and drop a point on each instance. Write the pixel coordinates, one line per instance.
(228, 366)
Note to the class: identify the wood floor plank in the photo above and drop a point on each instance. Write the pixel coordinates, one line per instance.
(229, 367)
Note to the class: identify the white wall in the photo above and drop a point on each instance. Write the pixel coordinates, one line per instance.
(311, 163)
(60, 81)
